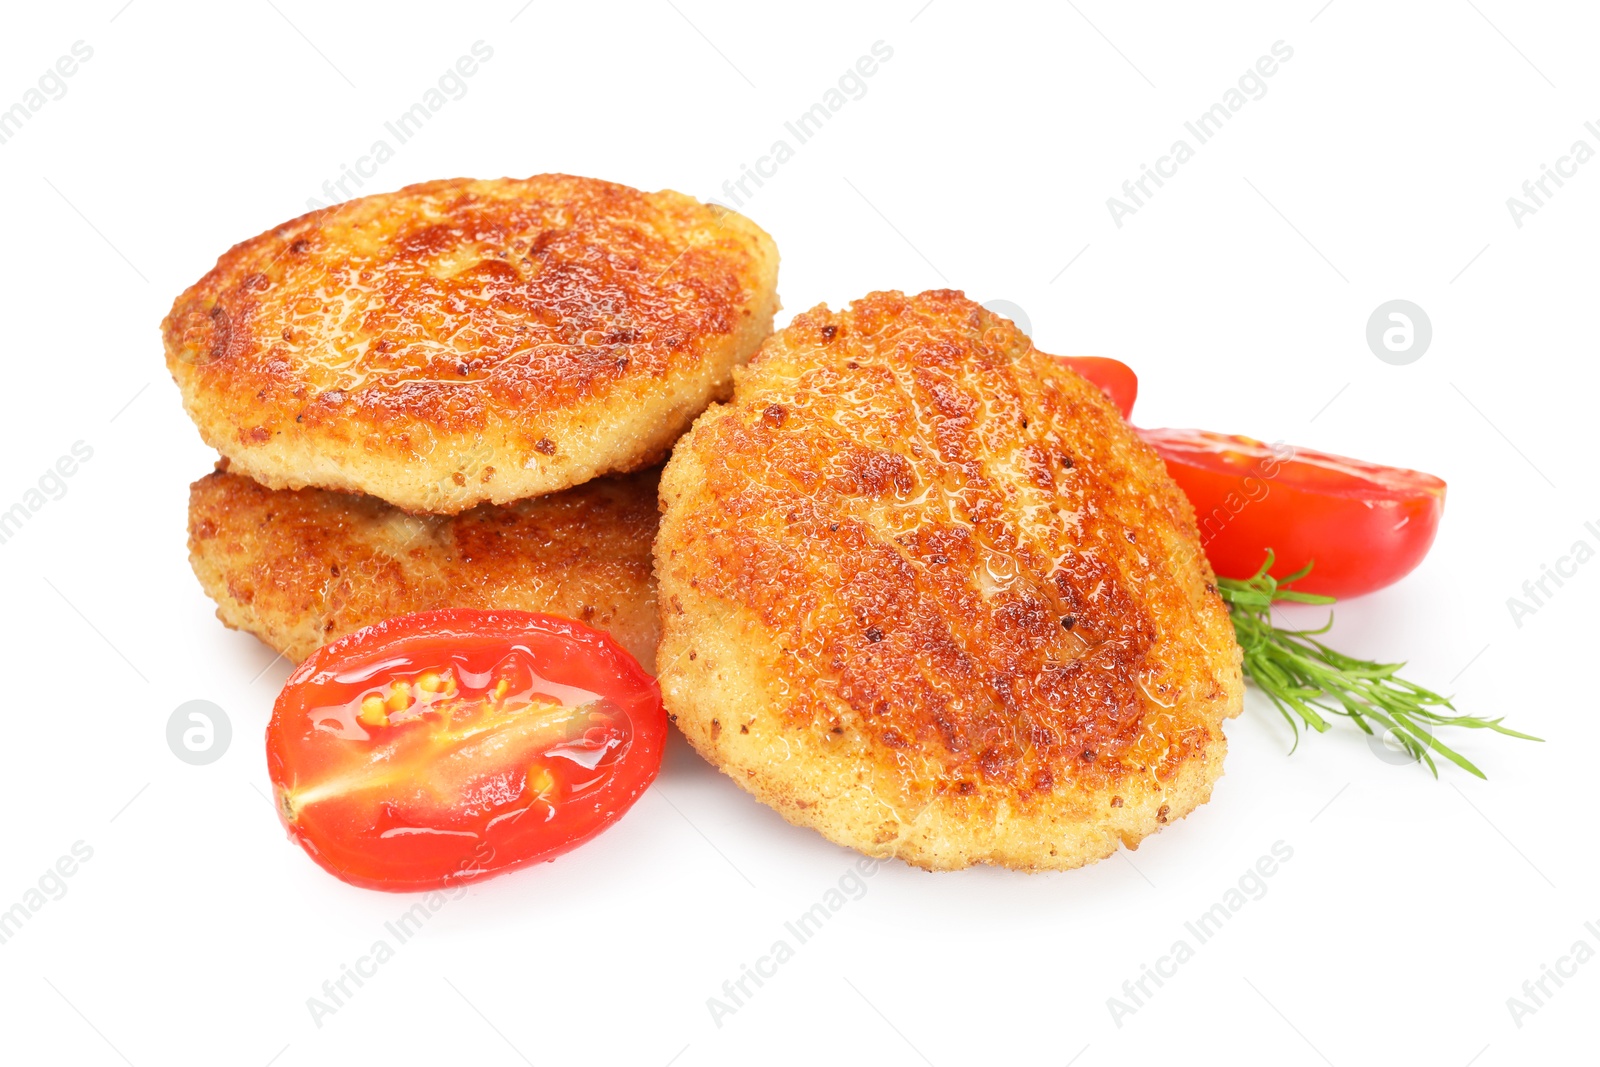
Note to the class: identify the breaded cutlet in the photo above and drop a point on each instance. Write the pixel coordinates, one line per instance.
(464, 342)
(923, 590)
(300, 567)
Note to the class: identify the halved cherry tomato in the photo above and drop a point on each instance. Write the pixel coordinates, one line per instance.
(1361, 525)
(1115, 378)
(446, 746)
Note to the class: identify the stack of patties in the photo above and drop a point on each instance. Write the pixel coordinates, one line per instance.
(455, 395)
(922, 588)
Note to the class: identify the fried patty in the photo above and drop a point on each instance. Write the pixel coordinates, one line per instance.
(923, 590)
(298, 568)
(461, 342)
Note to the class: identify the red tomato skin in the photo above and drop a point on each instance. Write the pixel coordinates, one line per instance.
(1115, 378)
(1363, 527)
(405, 865)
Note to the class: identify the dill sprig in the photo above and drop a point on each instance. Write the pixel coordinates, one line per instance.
(1306, 680)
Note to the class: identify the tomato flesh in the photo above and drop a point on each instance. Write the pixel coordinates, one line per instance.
(1362, 526)
(1115, 378)
(446, 746)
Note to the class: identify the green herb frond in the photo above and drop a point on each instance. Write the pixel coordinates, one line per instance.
(1308, 681)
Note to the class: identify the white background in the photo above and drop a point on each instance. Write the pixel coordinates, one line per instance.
(1377, 166)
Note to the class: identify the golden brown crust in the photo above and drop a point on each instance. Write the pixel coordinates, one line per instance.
(924, 590)
(298, 568)
(460, 342)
